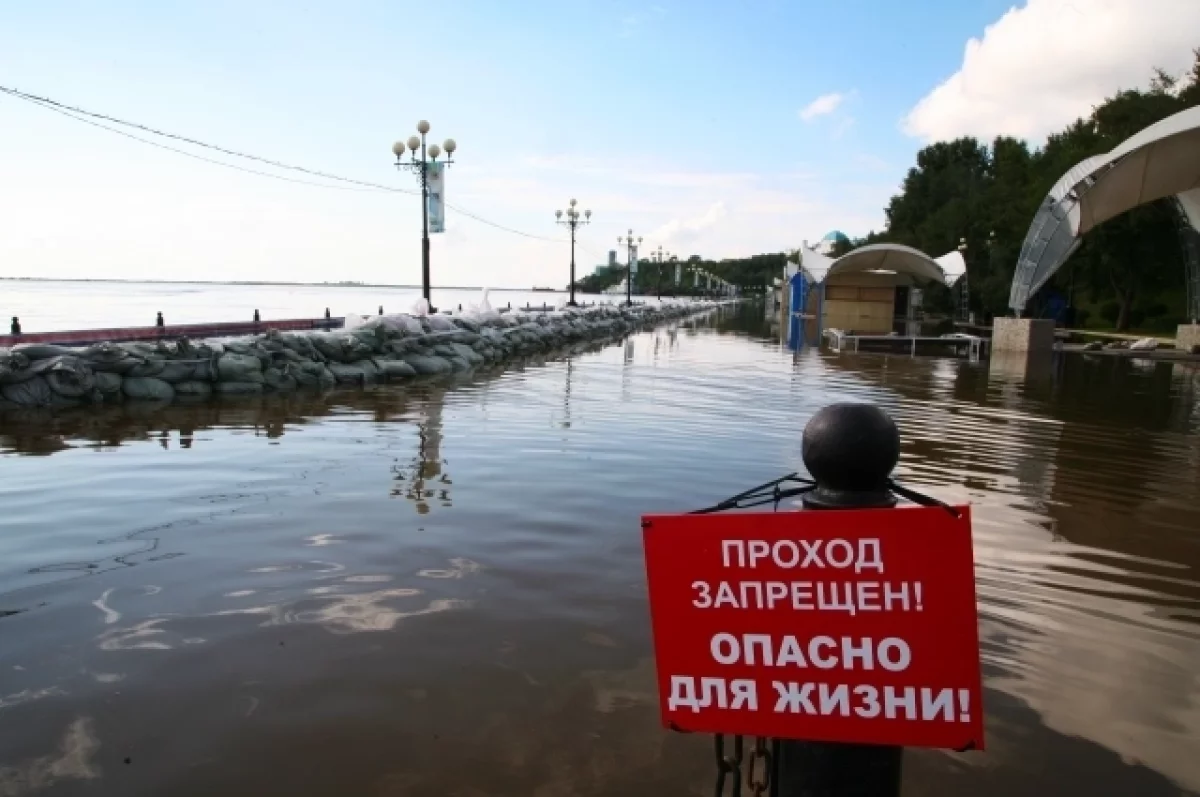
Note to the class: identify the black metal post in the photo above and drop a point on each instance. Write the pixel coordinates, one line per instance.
(850, 451)
(424, 171)
(571, 302)
(573, 219)
(629, 274)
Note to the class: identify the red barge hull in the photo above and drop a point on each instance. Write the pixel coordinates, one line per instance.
(85, 337)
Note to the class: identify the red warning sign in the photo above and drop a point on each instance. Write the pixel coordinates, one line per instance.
(839, 626)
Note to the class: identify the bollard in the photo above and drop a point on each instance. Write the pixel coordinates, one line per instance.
(16, 326)
(850, 451)
(256, 316)
(158, 321)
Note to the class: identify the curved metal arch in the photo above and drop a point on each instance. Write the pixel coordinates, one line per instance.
(1187, 205)
(1162, 160)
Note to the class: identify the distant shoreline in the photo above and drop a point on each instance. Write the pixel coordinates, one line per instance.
(272, 284)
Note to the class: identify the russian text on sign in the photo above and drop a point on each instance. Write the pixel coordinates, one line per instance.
(865, 555)
(829, 596)
(892, 653)
(736, 694)
(893, 702)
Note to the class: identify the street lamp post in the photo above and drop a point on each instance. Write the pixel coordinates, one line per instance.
(631, 245)
(659, 258)
(420, 167)
(572, 221)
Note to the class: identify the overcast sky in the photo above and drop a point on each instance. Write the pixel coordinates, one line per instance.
(721, 129)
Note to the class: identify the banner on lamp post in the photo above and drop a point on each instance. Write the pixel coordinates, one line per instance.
(633, 260)
(437, 196)
(678, 270)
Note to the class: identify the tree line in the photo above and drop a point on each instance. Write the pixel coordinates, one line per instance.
(1128, 272)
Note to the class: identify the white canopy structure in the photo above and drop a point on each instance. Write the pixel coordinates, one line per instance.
(1161, 161)
(947, 269)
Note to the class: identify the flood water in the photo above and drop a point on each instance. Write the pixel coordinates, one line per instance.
(438, 588)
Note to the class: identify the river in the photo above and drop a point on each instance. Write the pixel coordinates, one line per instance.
(438, 588)
(49, 305)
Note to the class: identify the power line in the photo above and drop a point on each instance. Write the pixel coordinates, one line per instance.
(55, 105)
(201, 157)
(502, 227)
(78, 114)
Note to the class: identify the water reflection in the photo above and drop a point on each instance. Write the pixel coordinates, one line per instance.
(424, 479)
(288, 596)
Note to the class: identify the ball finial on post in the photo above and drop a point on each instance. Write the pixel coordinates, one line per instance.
(850, 450)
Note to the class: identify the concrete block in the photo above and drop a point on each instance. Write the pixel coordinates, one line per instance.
(1031, 368)
(1187, 336)
(1032, 335)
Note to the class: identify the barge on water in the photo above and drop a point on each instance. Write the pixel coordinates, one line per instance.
(220, 329)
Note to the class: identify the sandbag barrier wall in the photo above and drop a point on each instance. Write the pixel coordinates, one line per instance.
(385, 348)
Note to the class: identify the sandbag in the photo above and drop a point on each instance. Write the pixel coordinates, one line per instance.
(204, 371)
(371, 335)
(175, 371)
(42, 351)
(172, 349)
(238, 388)
(313, 375)
(348, 374)
(289, 356)
(239, 346)
(396, 327)
(440, 323)
(410, 324)
(15, 367)
(354, 348)
(139, 349)
(108, 357)
(69, 377)
(32, 392)
(467, 324)
(234, 367)
(467, 353)
(298, 344)
(370, 370)
(279, 379)
(150, 366)
(107, 383)
(147, 387)
(395, 369)
(193, 388)
(402, 346)
(426, 366)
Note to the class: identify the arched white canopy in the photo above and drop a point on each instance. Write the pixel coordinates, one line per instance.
(1161, 161)
(947, 269)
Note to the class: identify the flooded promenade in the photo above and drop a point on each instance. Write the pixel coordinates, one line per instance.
(438, 586)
